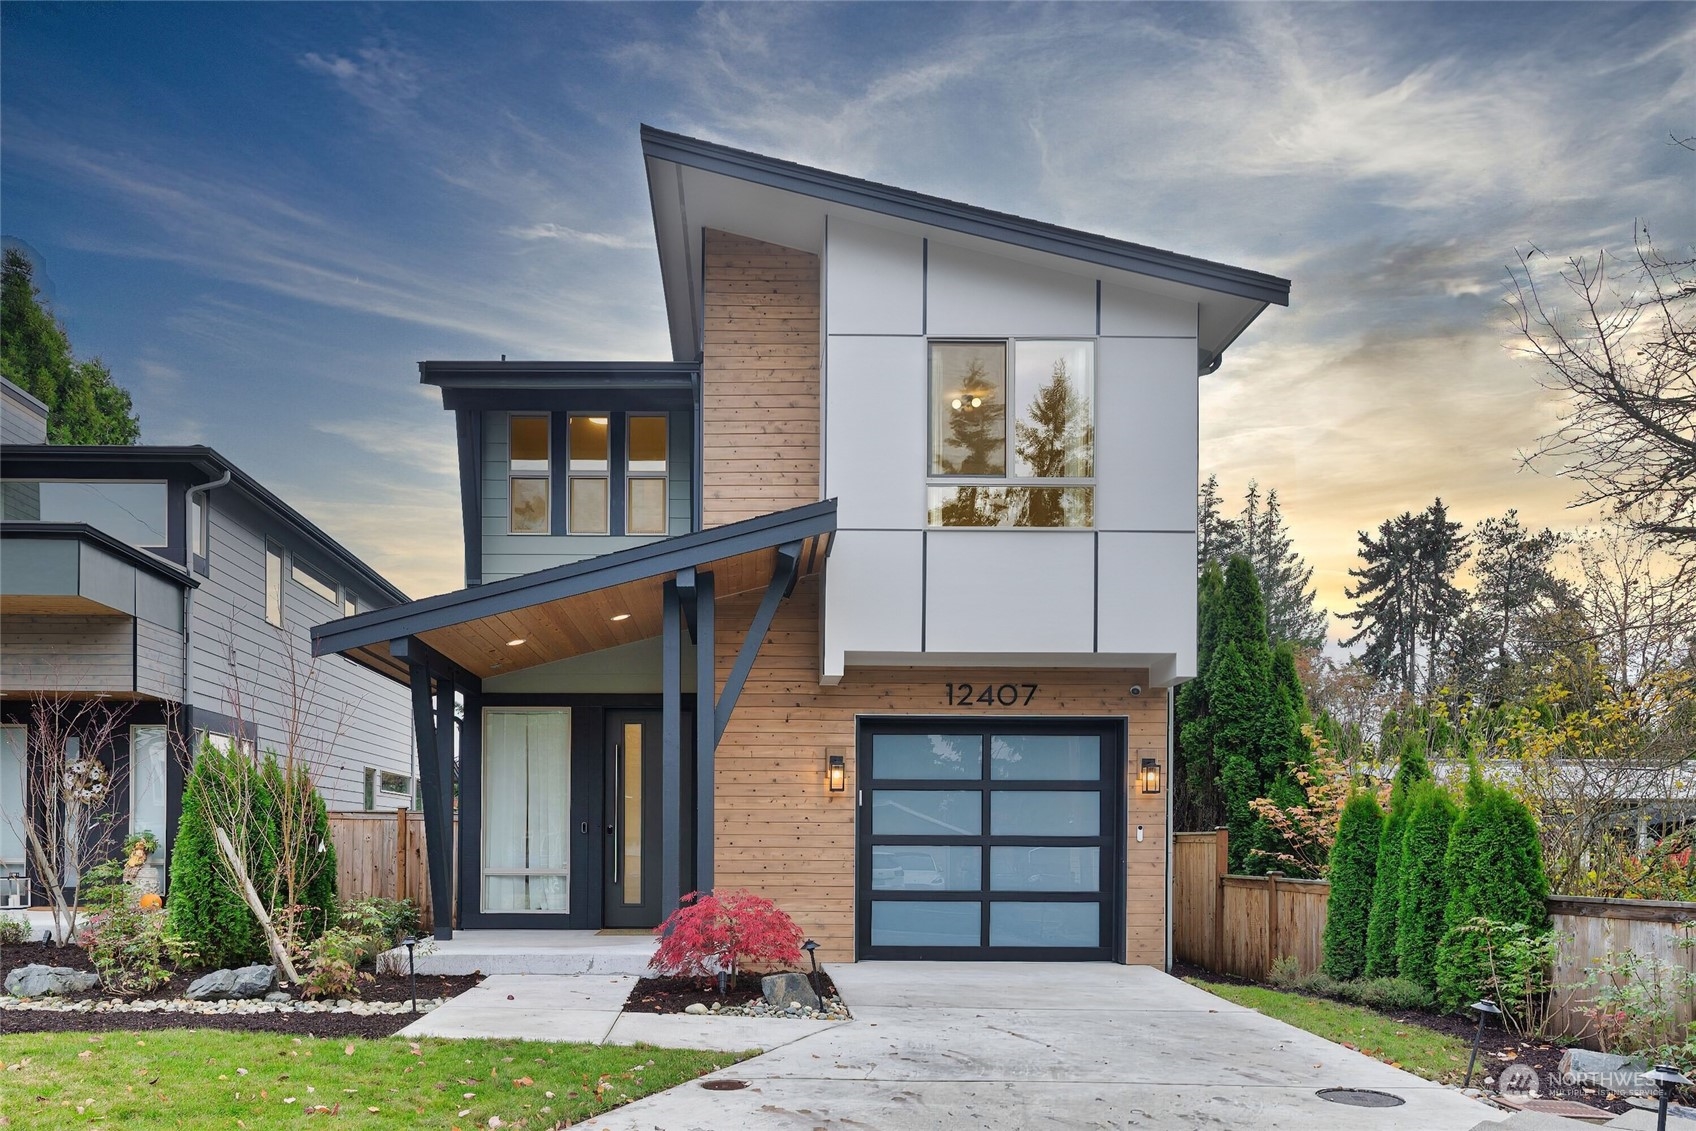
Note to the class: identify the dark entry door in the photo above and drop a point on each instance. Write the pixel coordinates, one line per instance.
(632, 829)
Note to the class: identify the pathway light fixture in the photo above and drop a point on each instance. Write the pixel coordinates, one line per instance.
(409, 942)
(1665, 1077)
(1484, 1008)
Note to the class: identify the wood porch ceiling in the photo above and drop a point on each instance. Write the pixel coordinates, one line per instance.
(582, 623)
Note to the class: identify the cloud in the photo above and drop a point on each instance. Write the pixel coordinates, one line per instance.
(545, 231)
(383, 79)
(409, 447)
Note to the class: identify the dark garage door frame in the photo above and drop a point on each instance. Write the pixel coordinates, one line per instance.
(1110, 895)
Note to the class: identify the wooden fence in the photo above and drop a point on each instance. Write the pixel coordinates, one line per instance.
(382, 854)
(1240, 925)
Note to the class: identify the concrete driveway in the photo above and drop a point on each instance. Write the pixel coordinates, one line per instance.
(1031, 1045)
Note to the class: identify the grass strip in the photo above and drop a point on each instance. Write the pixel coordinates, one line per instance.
(187, 1078)
(1400, 1044)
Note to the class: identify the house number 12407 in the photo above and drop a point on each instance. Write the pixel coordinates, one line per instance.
(991, 695)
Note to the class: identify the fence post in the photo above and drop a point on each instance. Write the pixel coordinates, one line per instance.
(403, 825)
(1221, 866)
(1271, 919)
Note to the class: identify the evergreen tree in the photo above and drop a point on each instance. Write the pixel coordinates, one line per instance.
(1196, 804)
(1241, 703)
(1381, 930)
(1054, 438)
(1354, 857)
(1424, 883)
(85, 406)
(1215, 535)
(1259, 534)
(1286, 747)
(1407, 599)
(1494, 869)
(204, 907)
(1516, 587)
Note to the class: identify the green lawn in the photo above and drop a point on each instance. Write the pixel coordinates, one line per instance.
(1434, 1056)
(182, 1078)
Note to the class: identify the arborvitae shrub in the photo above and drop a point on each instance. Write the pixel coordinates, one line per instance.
(1494, 867)
(1381, 961)
(203, 908)
(1354, 859)
(316, 857)
(1424, 882)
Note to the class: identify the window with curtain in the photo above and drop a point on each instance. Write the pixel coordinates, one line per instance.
(526, 811)
(148, 756)
(645, 476)
(589, 467)
(528, 467)
(13, 741)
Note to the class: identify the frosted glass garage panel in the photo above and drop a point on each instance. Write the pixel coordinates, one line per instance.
(874, 280)
(1044, 868)
(1146, 421)
(1045, 924)
(1045, 757)
(976, 294)
(1042, 813)
(941, 756)
(926, 812)
(927, 867)
(926, 923)
(1010, 591)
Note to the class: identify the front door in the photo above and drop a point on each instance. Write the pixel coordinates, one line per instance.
(632, 830)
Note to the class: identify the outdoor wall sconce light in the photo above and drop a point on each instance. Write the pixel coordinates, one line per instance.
(409, 942)
(837, 773)
(1484, 1008)
(1149, 775)
(1665, 1077)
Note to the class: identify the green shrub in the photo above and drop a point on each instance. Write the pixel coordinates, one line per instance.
(14, 931)
(1424, 883)
(1354, 857)
(1494, 867)
(1391, 995)
(205, 909)
(130, 947)
(1381, 958)
(387, 919)
(315, 862)
(333, 960)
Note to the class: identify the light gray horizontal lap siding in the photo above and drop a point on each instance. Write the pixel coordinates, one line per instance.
(20, 421)
(158, 661)
(354, 718)
(508, 555)
(67, 653)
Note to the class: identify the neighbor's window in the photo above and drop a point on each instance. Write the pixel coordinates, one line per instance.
(274, 584)
(528, 460)
(197, 527)
(311, 579)
(350, 604)
(1040, 472)
(132, 512)
(645, 476)
(588, 467)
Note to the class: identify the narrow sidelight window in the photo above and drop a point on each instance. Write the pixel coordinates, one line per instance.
(528, 463)
(645, 476)
(274, 584)
(197, 532)
(588, 468)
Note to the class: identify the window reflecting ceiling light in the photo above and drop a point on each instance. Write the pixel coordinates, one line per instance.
(622, 616)
(516, 643)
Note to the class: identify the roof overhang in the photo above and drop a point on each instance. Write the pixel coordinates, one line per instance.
(568, 610)
(538, 384)
(694, 185)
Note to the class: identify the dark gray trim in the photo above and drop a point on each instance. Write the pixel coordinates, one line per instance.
(195, 459)
(820, 184)
(559, 479)
(533, 375)
(706, 729)
(665, 556)
(82, 532)
(924, 586)
(1095, 616)
(782, 583)
(1098, 308)
(468, 424)
(924, 286)
(671, 750)
(432, 718)
(698, 457)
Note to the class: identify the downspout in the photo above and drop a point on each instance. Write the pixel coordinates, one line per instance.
(188, 548)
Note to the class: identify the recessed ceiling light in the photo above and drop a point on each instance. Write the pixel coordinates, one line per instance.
(515, 643)
(622, 616)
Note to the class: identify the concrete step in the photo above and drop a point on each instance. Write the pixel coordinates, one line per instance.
(526, 952)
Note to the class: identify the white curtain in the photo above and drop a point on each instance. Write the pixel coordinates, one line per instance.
(147, 786)
(12, 742)
(526, 811)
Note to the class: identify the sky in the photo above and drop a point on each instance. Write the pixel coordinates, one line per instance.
(263, 216)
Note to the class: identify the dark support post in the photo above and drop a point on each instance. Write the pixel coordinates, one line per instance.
(671, 750)
(437, 822)
(782, 583)
(445, 747)
(706, 731)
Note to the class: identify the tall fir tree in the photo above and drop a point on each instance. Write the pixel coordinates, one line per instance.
(84, 404)
(1354, 858)
(1286, 749)
(1407, 602)
(1241, 704)
(1260, 534)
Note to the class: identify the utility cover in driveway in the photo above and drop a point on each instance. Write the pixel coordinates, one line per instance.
(989, 841)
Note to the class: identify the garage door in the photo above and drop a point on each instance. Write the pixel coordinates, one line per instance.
(989, 842)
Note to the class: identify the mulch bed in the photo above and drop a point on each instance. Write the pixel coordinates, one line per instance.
(674, 995)
(1498, 1048)
(386, 987)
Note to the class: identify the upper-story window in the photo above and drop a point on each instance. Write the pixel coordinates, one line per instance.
(274, 584)
(350, 604)
(198, 532)
(1040, 472)
(589, 467)
(645, 476)
(313, 580)
(529, 465)
(132, 512)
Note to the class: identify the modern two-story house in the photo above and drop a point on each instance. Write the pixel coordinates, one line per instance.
(871, 599)
(173, 586)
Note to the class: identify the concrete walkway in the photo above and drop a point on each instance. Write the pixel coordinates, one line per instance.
(1033, 1046)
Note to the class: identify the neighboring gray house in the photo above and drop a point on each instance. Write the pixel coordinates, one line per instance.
(168, 579)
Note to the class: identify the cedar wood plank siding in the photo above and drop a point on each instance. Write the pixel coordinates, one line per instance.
(759, 379)
(779, 831)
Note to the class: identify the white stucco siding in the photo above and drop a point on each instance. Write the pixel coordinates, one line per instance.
(971, 294)
(875, 408)
(874, 597)
(1146, 601)
(1146, 434)
(1126, 312)
(1010, 591)
(875, 280)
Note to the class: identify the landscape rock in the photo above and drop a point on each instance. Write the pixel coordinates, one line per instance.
(36, 980)
(695, 1008)
(223, 985)
(278, 995)
(1618, 1074)
(786, 990)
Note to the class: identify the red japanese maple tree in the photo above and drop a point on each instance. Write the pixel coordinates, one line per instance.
(724, 932)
